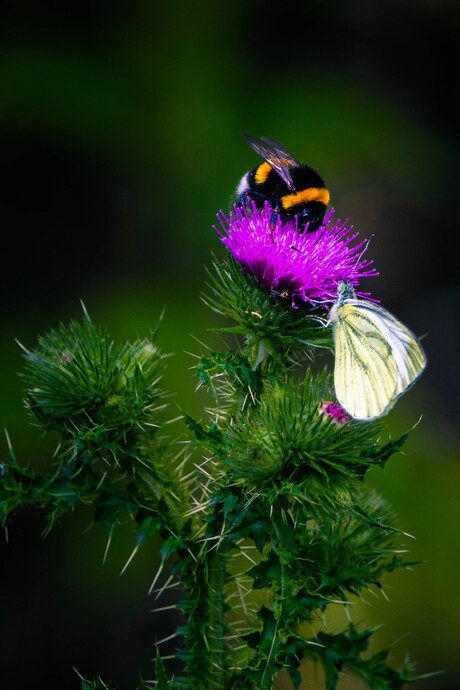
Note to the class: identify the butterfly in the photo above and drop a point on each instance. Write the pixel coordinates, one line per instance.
(376, 357)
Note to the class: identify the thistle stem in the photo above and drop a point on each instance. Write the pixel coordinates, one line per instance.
(217, 570)
(207, 651)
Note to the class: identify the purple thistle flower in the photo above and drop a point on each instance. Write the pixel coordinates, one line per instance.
(335, 411)
(305, 266)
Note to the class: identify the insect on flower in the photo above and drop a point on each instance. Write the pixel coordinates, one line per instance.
(290, 188)
(377, 358)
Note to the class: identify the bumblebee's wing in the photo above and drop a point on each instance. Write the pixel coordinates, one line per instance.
(276, 155)
(376, 359)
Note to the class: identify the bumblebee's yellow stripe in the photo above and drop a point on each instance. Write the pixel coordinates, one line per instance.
(304, 196)
(262, 173)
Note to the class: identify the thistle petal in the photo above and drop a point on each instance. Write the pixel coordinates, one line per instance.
(303, 266)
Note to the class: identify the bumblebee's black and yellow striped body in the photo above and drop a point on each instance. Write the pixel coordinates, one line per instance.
(290, 188)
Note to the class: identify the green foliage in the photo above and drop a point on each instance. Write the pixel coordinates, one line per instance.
(162, 682)
(99, 684)
(285, 445)
(337, 652)
(104, 402)
(231, 371)
(84, 386)
(94, 685)
(279, 476)
(263, 317)
(289, 478)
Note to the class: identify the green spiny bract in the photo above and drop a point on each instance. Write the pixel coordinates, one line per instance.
(262, 317)
(230, 376)
(84, 386)
(285, 445)
(104, 402)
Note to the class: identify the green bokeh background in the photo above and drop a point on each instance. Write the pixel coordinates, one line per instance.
(120, 140)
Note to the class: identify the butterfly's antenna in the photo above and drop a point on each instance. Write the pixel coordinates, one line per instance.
(364, 250)
(324, 301)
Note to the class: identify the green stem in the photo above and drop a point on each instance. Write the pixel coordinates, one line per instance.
(217, 572)
(278, 599)
(207, 651)
(270, 666)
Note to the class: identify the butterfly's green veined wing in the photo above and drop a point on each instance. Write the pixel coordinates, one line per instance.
(406, 349)
(376, 359)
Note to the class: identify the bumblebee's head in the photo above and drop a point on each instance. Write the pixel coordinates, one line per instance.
(313, 214)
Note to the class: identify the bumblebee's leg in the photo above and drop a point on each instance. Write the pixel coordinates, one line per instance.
(251, 195)
(273, 221)
(244, 200)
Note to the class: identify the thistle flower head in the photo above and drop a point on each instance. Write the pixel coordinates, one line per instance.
(335, 412)
(304, 267)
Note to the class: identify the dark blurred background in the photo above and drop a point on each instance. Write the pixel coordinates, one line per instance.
(120, 130)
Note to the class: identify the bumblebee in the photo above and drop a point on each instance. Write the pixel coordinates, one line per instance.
(290, 188)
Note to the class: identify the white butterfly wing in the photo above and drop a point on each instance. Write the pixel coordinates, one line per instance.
(376, 358)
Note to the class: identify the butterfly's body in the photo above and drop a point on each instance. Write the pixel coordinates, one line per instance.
(376, 357)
